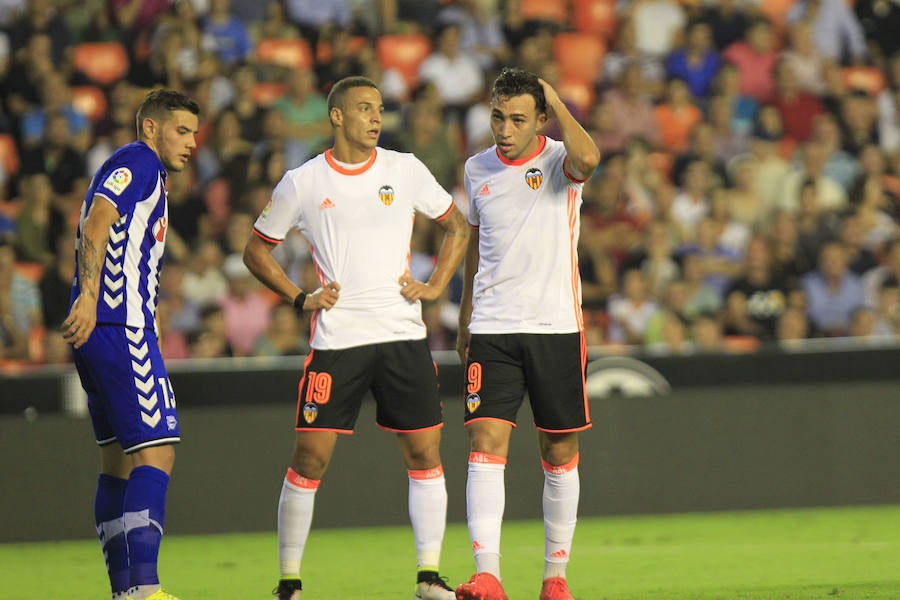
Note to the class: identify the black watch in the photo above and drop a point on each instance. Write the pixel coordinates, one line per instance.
(299, 300)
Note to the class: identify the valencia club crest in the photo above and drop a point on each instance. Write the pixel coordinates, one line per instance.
(534, 177)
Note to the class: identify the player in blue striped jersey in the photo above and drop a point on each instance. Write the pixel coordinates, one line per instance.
(112, 327)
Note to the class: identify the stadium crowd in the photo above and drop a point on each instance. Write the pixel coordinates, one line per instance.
(748, 193)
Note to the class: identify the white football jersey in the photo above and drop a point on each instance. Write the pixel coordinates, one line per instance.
(527, 215)
(358, 222)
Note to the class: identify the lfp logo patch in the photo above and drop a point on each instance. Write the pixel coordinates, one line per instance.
(118, 180)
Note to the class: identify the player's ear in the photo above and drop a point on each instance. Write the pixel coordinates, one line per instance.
(148, 128)
(336, 116)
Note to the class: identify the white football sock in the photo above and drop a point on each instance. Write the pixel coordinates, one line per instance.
(562, 488)
(428, 514)
(485, 503)
(295, 513)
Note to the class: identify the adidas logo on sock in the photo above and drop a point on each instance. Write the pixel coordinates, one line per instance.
(476, 545)
(561, 553)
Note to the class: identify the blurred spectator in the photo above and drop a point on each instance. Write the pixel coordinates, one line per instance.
(787, 260)
(798, 108)
(655, 258)
(700, 296)
(730, 234)
(657, 25)
(887, 310)
(246, 109)
(20, 308)
(830, 196)
(742, 107)
(204, 282)
(692, 202)
(880, 22)
(56, 157)
(632, 112)
(33, 222)
(728, 21)
(642, 181)
(226, 34)
(41, 17)
(625, 52)
(718, 262)
(305, 109)
(608, 224)
(840, 165)
(836, 30)
(804, 59)
(850, 233)
(859, 117)
(56, 99)
(225, 154)
(755, 301)
(245, 308)
(314, 17)
(706, 333)
(284, 335)
(672, 338)
(273, 22)
(56, 283)
(210, 340)
(745, 204)
(833, 292)
(456, 74)
(755, 58)
(676, 117)
(793, 328)
(703, 147)
(183, 314)
(426, 135)
(697, 62)
(22, 85)
(277, 151)
(139, 16)
(172, 59)
(889, 267)
(172, 342)
(481, 33)
(630, 311)
(873, 214)
(93, 22)
(343, 60)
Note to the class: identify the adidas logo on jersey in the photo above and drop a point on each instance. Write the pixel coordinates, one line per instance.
(485, 191)
(326, 203)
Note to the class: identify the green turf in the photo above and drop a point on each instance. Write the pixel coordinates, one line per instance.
(772, 555)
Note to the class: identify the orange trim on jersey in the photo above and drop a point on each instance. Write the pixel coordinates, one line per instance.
(297, 480)
(266, 238)
(467, 423)
(484, 458)
(566, 171)
(572, 210)
(560, 469)
(446, 212)
(332, 162)
(392, 430)
(542, 142)
(421, 474)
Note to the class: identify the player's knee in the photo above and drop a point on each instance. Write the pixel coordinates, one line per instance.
(558, 449)
(489, 440)
(309, 464)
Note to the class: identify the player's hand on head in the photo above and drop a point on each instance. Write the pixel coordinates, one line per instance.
(550, 94)
(413, 290)
(324, 297)
(82, 319)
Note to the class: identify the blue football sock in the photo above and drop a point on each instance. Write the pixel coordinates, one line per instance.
(108, 508)
(145, 510)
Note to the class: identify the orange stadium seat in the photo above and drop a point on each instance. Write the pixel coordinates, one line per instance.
(867, 79)
(555, 11)
(104, 63)
(595, 16)
(579, 92)
(9, 154)
(286, 52)
(267, 92)
(579, 55)
(90, 101)
(404, 53)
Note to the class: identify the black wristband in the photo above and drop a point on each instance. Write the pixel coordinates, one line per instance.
(299, 301)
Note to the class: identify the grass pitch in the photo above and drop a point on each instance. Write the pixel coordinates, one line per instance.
(771, 555)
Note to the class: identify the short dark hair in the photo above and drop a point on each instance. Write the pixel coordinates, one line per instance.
(339, 90)
(157, 104)
(514, 81)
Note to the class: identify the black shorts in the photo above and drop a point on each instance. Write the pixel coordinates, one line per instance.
(401, 375)
(550, 367)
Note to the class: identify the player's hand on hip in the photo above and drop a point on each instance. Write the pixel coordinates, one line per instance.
(324, 297)
(414, 290)
(82, 319)
(462, 345)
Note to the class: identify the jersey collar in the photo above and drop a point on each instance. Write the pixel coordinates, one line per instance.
(542, 141)
(332, 162)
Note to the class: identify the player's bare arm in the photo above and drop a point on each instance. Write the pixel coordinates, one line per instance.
(453, 246)
(470, 266)
(258, 258)
(91, 250)
(582, 154)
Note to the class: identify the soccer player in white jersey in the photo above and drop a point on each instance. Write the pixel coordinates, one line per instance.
(112, 327)
(355, 203)
(520, 323)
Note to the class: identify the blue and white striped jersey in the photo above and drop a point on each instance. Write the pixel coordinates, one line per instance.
(133, 179)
